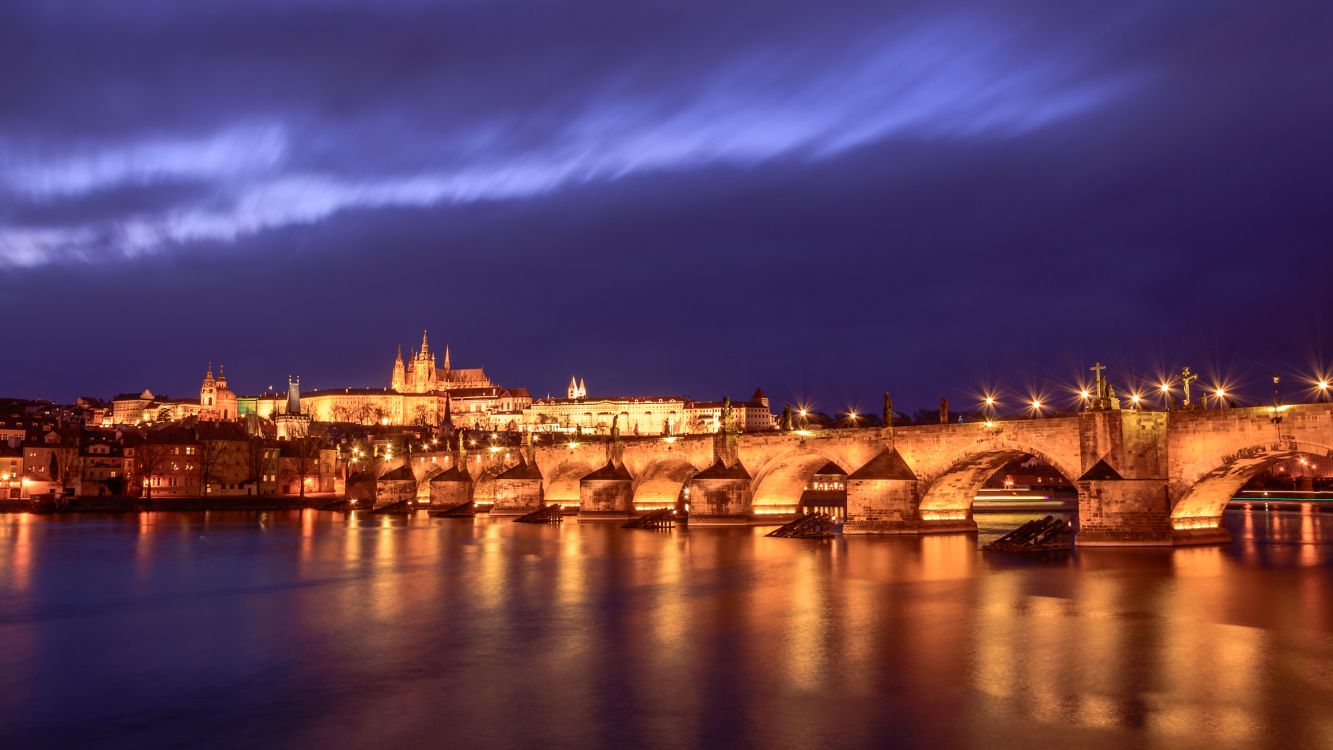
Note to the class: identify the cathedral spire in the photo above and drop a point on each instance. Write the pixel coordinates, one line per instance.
(400, 353)
(446, 356)
(424, 347)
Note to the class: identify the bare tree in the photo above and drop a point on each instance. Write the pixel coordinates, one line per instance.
(151, 457)
(65, 464)
(262, 460)
(421, 417)
(307, 451)
(210, 454)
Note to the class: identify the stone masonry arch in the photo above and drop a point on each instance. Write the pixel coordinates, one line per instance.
(1201, 505)
(562, 482)
(777, 488)
(659, 484)
(949, 495)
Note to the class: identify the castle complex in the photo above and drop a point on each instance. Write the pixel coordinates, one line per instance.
(424, 391)
(422, 376)
(421, 392)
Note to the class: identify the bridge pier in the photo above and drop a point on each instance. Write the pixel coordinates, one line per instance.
(1203, 535)
(1118, 512)
(883, 497)
(518, 490)
(720, 496)
(451, 487)
(606, 494)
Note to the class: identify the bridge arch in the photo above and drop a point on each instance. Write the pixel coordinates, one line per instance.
(778, 487)
(949, 495)
(1204, 500)
(483, 480)
(659, 484)
(562, 482)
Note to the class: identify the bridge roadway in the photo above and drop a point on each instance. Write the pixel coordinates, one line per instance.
(1143, 478)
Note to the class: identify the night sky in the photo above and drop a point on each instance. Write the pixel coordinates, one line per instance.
(825, 199)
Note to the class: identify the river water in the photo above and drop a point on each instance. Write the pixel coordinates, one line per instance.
(312, 629)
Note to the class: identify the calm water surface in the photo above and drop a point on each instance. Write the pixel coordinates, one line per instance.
(309, 629)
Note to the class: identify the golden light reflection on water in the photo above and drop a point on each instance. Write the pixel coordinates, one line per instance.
(586, 634)
(16, 551)
(807, 622)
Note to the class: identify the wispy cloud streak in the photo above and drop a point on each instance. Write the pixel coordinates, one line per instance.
(958, 81)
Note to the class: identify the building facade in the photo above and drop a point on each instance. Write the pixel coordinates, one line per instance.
(642, 415)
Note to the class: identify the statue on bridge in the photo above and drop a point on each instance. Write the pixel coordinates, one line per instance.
(888, 409)
(1104, 395)
(1187, 377)
(726, 426)
(785, 423)
(615, 428)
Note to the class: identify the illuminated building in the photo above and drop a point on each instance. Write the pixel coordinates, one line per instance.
(216, 401)
(641, 415)
(420, 375)
(419, 394)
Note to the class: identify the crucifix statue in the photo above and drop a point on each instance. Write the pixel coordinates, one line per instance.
(1187, 377)
(1101, 380)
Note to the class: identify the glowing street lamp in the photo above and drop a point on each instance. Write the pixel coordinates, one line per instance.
(1135, 399)
(1036, 406)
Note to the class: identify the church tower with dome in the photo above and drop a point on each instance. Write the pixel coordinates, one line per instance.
(216, 400)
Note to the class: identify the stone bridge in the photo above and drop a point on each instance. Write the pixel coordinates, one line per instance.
(1143, 478)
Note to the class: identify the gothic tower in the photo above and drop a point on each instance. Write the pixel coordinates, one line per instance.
(398, 381)
(293, 395)
(423, 368)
